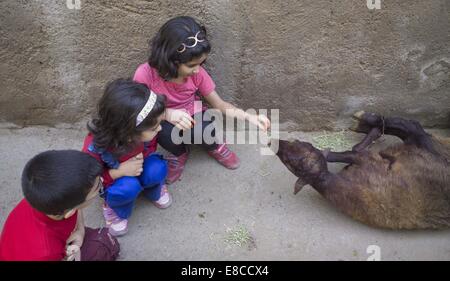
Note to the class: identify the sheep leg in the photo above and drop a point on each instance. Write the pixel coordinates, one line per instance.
(409, 131)
(373, 135)
(349, 157)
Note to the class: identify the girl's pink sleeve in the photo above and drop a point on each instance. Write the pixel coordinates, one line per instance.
(142, 75)
(204, 82)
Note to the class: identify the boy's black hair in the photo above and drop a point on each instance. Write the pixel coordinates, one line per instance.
(164, 55)
(59, 180)
(114, 126)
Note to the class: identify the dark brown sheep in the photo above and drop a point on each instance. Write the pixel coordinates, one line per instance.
(406, 186)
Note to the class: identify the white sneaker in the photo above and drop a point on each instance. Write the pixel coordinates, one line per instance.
(117, 226)
(165, 200)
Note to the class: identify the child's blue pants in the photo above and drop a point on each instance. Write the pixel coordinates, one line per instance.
(121, 195)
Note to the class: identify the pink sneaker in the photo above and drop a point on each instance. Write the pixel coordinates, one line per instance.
(165, 200)
(116, 225)
(176, 166)
(225, 157)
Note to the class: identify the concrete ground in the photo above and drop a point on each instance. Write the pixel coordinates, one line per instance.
(255, 203)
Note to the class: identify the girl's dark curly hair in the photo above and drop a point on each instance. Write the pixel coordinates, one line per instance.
(164, 55)
(114, 126)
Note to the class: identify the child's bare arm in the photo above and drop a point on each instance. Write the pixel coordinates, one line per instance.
(75, 241)
(230, 110)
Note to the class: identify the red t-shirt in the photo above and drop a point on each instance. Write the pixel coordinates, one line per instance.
(29, 235)
(141, 148)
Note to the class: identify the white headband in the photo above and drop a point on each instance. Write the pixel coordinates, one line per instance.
(146, 109)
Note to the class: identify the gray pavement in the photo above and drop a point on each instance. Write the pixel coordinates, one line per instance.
(255, 203)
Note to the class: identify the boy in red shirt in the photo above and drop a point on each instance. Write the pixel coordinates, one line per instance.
(48, 223)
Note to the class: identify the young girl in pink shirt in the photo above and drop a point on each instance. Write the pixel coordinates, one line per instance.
(175, 70)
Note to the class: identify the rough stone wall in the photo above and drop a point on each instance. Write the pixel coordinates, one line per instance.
(315, 60)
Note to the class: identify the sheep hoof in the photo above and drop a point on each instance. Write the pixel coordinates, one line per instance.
(355, 126)
(359, 115)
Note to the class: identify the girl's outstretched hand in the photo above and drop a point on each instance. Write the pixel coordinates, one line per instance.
(261, 121)
(180, 118)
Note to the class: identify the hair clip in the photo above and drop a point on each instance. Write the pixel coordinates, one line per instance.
(195, 41)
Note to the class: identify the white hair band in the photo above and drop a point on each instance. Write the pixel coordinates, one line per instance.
(146, 109)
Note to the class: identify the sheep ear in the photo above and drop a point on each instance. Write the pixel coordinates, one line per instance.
(299, 184)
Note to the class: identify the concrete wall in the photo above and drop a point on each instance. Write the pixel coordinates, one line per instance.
(315, 60)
